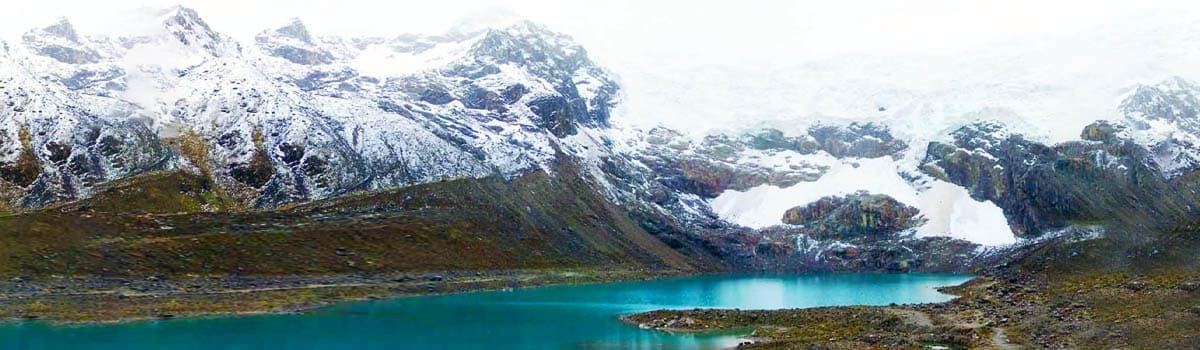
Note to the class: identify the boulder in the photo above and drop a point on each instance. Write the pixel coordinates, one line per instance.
(853, 216)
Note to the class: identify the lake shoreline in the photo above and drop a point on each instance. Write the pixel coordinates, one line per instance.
(98, 301)
(856, 326)
(572, 312)
(1006, 308)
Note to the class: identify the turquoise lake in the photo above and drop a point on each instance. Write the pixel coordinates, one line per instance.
(558, 317)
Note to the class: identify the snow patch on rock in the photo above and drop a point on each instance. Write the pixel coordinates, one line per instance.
(947, 208)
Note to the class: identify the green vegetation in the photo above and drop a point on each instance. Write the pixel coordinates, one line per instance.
(537, 221)
(26, 169)
(157, 193)
(1121, 291)
(855, 327)
(196, 247)
(191, 146)
(19, 174)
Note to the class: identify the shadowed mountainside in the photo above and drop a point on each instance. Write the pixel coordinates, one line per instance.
(534, 221)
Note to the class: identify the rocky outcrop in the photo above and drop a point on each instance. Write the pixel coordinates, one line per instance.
(720, 162)
(857, 232)
(853, 216)
(1042, 187)
(53, 150)
(784, 248)
(854, 140)
(857, 140)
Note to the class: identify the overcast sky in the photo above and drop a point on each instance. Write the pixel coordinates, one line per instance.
(816, 25)
(712, 61)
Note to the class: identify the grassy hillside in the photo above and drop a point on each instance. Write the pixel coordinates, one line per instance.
(1125, 290)
(168, 224)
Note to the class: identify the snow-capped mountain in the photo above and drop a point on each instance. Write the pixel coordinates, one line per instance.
(52, 148)
(294, 116)
(1165, 118)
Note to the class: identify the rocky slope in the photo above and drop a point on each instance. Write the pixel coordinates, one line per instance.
(860, 214)
(177, 119)
(1043, 188)
(294, 117)
(52, 149)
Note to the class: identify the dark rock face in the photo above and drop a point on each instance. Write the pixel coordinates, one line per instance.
(783, 248)
(51, 170)
(712, 166)
(858, 232)
(853, 216)
(436, 96)
(25, 169)
(1043, 187)
(254, 173)
(857, 140)
(774, 139)
(94, 78)
(302, 56)
(555, 114)
(554, 57)
(1102, 131)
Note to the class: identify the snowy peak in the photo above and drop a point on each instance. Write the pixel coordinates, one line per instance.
(1165, 118)
(186, 25)
(302, 116)
(295, 29)
(293, 43)
(61, 42)
(171, 37)
(62, 29)
(527, 43)
(1173, 100)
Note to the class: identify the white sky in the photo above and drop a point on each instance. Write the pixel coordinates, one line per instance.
(707, 64)
(816, 25)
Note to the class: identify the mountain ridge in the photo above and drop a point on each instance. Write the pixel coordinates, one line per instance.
(294, 116)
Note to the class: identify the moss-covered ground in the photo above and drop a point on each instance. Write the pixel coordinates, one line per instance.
(173, 244)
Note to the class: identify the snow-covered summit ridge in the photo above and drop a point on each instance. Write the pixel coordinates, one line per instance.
(297, 116)
(1165, 118)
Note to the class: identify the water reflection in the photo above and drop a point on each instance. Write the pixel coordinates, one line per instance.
(752, 293)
